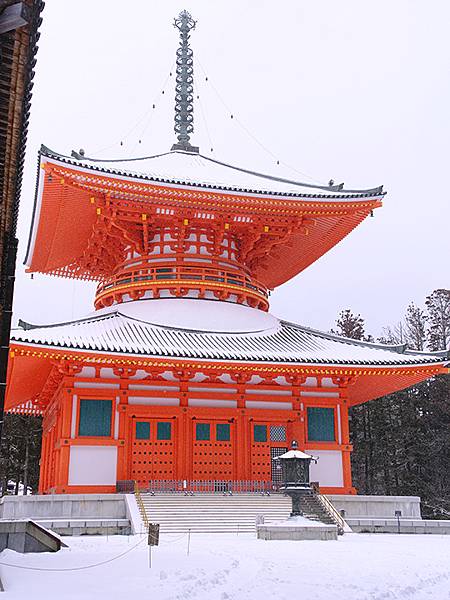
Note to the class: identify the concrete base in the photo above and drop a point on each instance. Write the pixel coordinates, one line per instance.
(430, 526)
(74, 514)
(297, 529)
(27, 536)
(376, 507)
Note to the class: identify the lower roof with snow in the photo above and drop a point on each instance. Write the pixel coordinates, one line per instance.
(214, 330)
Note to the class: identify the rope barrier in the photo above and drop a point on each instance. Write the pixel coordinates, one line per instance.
(66, 569)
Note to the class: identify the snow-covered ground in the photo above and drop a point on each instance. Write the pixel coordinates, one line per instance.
(236, 567)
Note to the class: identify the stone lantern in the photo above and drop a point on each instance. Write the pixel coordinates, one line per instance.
(295, 465)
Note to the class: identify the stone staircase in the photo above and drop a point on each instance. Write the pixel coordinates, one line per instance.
(313, 509)
(214, 513)
(217, 513)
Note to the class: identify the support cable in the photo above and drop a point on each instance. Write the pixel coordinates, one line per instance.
(250, 134)
(149, 111)
(205, 121)
(153, 110)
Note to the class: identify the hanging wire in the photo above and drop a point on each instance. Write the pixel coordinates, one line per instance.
(149, 111)
(250, 134)
(152, 112)
(205, 121)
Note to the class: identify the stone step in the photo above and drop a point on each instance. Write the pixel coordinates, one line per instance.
(214, 513)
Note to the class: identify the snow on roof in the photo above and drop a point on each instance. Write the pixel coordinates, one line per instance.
(197, 315)
(186, 168)
(206, 329)
(295, 454)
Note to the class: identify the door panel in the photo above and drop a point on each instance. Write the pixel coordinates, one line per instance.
(212, 459)
(151, 458)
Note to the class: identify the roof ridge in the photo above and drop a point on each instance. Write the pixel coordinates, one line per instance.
(25, 326)
(399, 348)
(46, 151)
(335, 189)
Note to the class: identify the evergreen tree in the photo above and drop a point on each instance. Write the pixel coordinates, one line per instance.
(438, 306)
(20, 453)
(401, 441)
(361, 417)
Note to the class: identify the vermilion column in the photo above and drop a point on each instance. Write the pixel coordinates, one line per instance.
(346, 449)
(64, 428)
(123, 447)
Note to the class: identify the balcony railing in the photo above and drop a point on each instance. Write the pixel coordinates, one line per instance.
(181, 277)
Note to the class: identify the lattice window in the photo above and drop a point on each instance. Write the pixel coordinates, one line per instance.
(223, 432)
(277, 471)
(142, 430)
(164, 431)
(202, 432)
(95, 418)
(260, 433)
(320, 424)
(277, 433)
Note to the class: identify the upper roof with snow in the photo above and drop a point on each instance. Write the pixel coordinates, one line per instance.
(190, 169)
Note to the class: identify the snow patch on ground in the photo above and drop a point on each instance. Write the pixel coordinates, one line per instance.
(297, 522)
(236, 567)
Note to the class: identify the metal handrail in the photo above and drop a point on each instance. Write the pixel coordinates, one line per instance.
(140, 503)
(333, 513)
(212, 486)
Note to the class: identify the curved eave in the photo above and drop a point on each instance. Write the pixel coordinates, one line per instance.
(58, 350)
(63, 218)
(312, 191)
(31, 364)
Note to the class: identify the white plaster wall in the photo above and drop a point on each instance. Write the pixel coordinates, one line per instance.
(310, 381)
(151, 401)
(320, 394)
(268, 405)
(212, 403)
(94, 384)
(93, 465)
(328, 469)
(73, 425)
(269, 392)
(328, 382)
(155, 388)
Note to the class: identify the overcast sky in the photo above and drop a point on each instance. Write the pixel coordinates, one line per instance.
(353, 90)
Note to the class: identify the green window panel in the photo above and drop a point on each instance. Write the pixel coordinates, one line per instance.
(142, 430)
(321, 424)
(202, 432)
(164, 431)
(223, 432)
(260, 433)
(95, 418)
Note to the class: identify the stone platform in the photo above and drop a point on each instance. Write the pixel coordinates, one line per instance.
(429, 526)
(75, 514)
(297, 528)
(27, 536)
(376, 507)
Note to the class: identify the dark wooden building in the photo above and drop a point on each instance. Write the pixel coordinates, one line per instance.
(19, 25)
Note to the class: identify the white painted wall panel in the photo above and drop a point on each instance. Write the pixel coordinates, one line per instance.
(268, 405)
(147, 401)
(212, 403)
(93, 465)
(328, 470)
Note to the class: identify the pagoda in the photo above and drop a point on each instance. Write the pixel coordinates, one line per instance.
(181, 374)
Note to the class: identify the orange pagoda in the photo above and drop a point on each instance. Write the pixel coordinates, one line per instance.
(181, 376)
